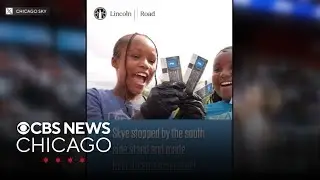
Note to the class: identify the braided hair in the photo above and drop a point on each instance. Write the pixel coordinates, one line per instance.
(126, 41)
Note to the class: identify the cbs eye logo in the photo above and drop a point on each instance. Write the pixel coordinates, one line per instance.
(23, 128)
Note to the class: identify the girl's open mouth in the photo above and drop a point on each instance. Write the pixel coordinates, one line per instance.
(225, 84)
(140, 78)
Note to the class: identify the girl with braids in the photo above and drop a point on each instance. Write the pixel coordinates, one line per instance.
(219, 105)
(135, 58)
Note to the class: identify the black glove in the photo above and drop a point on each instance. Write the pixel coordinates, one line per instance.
(163, 100)
(191, 108)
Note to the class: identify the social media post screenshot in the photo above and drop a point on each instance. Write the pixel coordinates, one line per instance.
(42, 87)
(160, 73)
(276, 97)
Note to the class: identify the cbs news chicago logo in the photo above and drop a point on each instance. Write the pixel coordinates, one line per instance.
(100, 13)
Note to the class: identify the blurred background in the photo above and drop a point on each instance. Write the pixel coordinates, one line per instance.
(42, 72)
(276, 86)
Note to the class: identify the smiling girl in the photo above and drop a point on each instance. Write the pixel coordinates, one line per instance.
(135, 61)
(219, 106)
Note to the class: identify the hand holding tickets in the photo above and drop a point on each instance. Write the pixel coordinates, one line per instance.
(163, 100)
(191, 108)
(190, 104)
